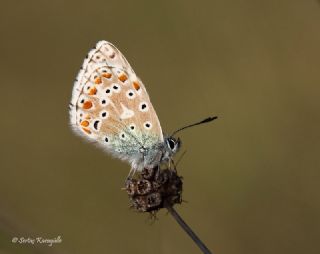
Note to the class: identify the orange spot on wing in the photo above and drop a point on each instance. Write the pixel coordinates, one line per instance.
(123, 77)
(87, 105)
(86, 130)
(93, 91)
(106, 75)
(85, 123)
(136, 85)
(98, 80)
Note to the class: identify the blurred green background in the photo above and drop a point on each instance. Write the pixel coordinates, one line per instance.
(251, 178)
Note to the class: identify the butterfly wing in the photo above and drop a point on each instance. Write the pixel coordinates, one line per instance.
(111, 107)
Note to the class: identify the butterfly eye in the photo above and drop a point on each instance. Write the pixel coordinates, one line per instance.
(130, 94)
(147, 125)
(171, 143)
(106, 139)
(143, 107)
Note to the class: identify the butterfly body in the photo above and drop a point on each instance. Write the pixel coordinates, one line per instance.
(111, 107)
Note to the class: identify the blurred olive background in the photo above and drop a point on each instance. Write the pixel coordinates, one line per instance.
(251, 179)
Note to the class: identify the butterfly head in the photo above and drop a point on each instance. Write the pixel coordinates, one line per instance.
(172, 145)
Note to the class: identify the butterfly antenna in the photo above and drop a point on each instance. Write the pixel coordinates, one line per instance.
(207, 120)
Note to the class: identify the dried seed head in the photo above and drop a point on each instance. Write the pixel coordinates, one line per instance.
(147, 173)
(143, 187)
(154, 188)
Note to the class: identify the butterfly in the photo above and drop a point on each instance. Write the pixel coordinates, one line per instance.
(111, 107)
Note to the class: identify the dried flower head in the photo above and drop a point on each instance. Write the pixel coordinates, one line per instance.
(154, 189)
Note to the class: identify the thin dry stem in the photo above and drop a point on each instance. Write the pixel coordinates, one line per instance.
(188, 230)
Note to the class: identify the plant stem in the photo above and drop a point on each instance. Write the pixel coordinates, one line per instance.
(188, 230)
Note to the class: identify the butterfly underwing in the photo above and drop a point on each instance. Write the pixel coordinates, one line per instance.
(111, 107)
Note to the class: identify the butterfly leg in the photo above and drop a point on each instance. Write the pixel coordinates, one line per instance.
(171, 163)
(131, 173)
